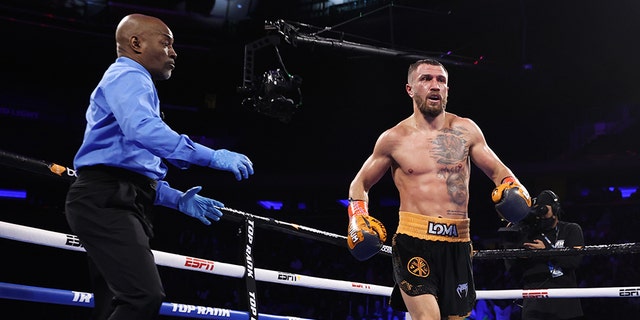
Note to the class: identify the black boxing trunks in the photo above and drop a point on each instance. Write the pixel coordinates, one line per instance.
(433, 256)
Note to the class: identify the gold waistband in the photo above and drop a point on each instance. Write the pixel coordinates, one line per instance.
(433, 228)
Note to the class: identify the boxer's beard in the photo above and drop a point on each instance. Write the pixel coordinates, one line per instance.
(430, 110)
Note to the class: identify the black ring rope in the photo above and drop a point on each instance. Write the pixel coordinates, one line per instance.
(57, 171)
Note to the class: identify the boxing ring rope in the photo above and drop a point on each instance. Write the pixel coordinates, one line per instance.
(55, 170)
(76, 298)
(590, 250)
(85, 299)
(71, 242)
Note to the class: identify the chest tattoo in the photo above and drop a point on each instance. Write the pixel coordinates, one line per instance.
(449, 147)
(450, 151)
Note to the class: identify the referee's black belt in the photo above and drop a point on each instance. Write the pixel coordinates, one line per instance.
(120, 173)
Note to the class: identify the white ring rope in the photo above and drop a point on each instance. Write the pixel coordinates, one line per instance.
(70, 242)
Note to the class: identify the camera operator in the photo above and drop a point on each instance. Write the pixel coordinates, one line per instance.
(541, 230)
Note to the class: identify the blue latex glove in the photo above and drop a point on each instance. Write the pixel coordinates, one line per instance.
(199, 207)
(237, 163)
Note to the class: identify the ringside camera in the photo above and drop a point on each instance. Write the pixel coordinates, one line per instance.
(532, 222)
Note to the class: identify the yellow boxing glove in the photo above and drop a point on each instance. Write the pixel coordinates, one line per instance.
(512, 200)
(366, 234)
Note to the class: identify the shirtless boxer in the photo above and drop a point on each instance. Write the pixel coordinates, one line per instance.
(430, 154)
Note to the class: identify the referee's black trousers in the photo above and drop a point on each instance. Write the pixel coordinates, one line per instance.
(108, 209)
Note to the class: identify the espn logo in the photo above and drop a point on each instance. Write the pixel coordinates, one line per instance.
(73, 241)
(360, 286)
(288, 277)
(199, 263)
(536, 294)
(630, 292)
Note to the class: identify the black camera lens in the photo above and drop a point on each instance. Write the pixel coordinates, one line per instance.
(539, 211)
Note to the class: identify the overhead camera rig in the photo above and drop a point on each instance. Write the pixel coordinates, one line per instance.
(277, 93)
(295, 36)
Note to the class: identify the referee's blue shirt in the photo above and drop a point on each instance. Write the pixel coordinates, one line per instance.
(125, 130)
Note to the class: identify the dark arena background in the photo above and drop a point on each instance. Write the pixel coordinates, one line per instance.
(552, 84)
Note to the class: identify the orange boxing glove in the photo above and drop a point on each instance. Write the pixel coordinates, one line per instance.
(366, 234)
(512, 200)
